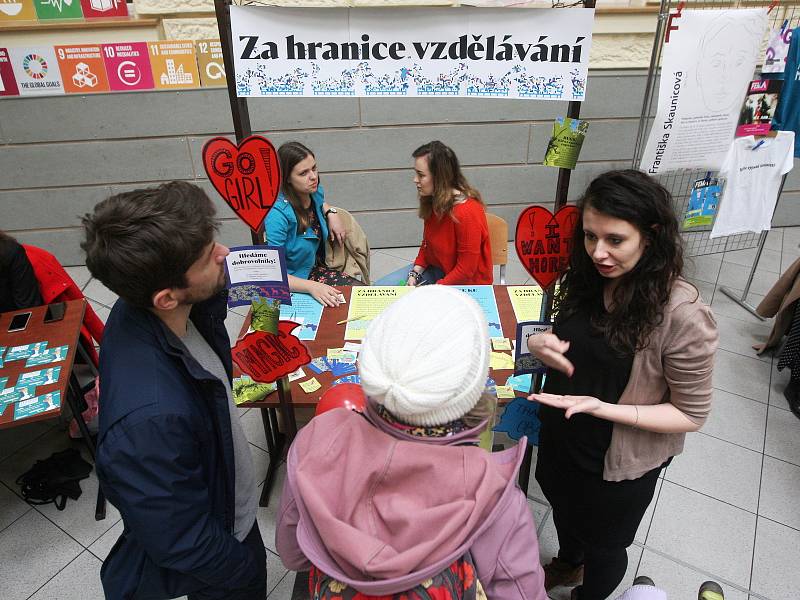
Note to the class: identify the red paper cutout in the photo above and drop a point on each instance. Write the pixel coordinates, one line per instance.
(247, 176)
(267, 357)
(544, 242)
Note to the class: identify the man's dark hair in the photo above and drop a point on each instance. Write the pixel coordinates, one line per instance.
(143, 241)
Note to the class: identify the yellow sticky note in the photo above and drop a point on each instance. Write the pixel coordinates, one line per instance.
(312, 385)
(500, 343)
(501, 360)
(505, 391)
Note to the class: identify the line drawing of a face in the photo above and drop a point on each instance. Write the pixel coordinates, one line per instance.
(723, 50)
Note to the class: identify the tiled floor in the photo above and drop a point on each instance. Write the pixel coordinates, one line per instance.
(727, 509)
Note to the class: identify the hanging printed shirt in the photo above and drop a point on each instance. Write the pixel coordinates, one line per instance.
(753, 178)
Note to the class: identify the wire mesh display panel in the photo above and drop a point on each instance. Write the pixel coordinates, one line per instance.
(680, 182)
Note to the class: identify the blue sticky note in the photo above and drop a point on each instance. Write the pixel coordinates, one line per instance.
(521, 417)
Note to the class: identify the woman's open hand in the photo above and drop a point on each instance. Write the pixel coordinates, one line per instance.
(571, 404)
(324, 294)
(550, 350)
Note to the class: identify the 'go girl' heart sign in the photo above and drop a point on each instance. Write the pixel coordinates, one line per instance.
(247, 176)
(544, 242)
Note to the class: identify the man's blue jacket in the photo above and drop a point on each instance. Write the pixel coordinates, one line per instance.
(165, 458)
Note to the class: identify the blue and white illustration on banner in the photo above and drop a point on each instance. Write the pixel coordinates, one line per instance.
(484, 296)
(389, 52)
(255, 272)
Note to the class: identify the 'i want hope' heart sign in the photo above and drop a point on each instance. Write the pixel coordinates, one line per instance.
(544, 242)
(247, 176)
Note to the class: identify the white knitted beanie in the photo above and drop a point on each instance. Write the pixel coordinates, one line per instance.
(426, 357)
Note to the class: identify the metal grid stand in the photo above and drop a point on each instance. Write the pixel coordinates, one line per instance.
(697, 240)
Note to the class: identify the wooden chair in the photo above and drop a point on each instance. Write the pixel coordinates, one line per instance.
(498, 240)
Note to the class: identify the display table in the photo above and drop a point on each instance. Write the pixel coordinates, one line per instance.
(46, 399)
(330, 334)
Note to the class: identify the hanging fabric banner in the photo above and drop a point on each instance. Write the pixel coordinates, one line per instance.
(406, 52)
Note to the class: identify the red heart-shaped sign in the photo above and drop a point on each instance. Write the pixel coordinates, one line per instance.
(267, 357)
(544, 242)
(247, 176)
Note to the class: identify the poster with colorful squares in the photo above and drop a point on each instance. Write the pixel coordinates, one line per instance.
(82, 68)
(128, 66)
(8, 83)
(103, 9)
(36, 71)
(210, 63)
(58, 9)
(12, 11)
(174, 65)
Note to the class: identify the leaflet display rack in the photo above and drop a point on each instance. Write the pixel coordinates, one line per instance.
(679, 182)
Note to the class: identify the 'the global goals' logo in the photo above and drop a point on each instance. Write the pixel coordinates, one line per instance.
(35, 66)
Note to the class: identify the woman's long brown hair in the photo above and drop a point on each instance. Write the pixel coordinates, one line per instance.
(289, 154)
(447, 176)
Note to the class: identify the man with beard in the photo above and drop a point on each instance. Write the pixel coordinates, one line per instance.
(171, 455)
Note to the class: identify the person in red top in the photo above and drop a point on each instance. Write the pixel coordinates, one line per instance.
(455, 246)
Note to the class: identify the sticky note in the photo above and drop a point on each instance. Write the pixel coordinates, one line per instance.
(505, 391)
(500, 343)
(312, 385)
(501, 360)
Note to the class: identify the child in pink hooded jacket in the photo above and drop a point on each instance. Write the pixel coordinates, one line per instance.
(401, 497)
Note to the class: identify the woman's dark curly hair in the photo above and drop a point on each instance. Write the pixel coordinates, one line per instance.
(638, 300)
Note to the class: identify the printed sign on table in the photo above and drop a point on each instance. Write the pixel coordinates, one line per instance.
(210, 63)
(17, 10)
(256, 272)
(8, 84)
(82, 68)
(58, 9)
(128, 66)
(100, 9)
(524, 361)
(174, 65)
(36, 70)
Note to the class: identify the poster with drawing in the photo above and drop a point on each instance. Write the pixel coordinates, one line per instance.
(411, 52)
(705, 70)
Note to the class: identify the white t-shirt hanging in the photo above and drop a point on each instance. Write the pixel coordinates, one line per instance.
(753, 178)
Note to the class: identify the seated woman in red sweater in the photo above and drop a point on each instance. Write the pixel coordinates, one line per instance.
(455, 246)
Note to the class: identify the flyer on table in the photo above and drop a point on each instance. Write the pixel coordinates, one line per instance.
(705, 68)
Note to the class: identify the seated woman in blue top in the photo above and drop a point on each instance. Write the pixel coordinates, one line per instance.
(301, 221)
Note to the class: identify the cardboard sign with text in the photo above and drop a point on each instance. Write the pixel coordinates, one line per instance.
(544, 241)
(267, 357)
(128, 66)
(247, 176)
(83, 69)
(174, 65)
(210, 63)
